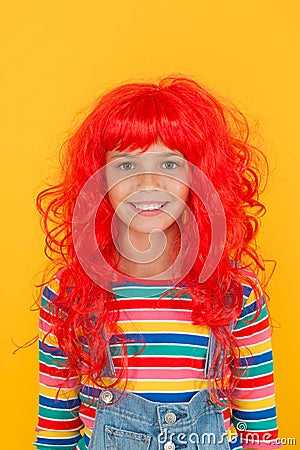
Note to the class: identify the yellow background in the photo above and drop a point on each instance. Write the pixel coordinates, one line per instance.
(57, 57)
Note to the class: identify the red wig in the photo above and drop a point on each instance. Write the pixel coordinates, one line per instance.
(211, 135)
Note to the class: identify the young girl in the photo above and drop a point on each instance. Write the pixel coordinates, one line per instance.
(154, 331)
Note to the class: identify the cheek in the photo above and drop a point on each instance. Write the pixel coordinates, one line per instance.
(115, 197)
(185, 193)
(180, 190)
(119, 193)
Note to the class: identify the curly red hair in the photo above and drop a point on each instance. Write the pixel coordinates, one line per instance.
(213, 136)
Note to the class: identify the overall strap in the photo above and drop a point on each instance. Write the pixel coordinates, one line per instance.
(212, 344)
(109, 368)
(211, 351)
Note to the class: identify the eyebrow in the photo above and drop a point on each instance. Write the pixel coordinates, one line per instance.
(121, 155)
(130, 155)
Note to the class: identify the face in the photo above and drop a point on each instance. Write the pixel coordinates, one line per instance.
(148, 190)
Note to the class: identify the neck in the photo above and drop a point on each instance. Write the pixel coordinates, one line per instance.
(145, 255)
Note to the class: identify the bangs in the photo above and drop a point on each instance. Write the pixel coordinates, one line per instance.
(141, 117)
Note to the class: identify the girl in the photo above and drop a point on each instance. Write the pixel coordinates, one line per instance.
(154, 331)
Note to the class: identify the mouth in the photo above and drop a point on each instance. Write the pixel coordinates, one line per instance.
(148, 208)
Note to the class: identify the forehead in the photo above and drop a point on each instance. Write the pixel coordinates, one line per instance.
(155, 149)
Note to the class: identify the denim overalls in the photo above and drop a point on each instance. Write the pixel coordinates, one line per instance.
(130, 422)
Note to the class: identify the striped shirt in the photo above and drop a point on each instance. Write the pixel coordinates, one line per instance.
(166, 357)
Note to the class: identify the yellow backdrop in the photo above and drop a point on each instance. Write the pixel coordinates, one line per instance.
(57, 57)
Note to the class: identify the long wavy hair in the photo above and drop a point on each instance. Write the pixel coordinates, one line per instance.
(212, 135)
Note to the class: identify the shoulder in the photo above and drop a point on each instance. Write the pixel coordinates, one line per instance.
(251, 286)
(254, 304)
(49, 294)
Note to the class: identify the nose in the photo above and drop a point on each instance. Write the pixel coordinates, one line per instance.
(149, 180)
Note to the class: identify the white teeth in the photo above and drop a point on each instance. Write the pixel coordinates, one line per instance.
(149, 207)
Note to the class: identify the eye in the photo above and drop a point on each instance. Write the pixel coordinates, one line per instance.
(126, 165)
(170, 165)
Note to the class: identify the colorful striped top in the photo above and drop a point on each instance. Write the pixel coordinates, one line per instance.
(166, 364)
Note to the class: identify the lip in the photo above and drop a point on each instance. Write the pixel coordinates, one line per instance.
(150, 212)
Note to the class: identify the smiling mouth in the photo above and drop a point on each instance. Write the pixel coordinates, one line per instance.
(148, 206)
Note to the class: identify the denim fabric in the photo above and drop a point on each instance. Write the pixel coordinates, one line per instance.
(130, 422)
